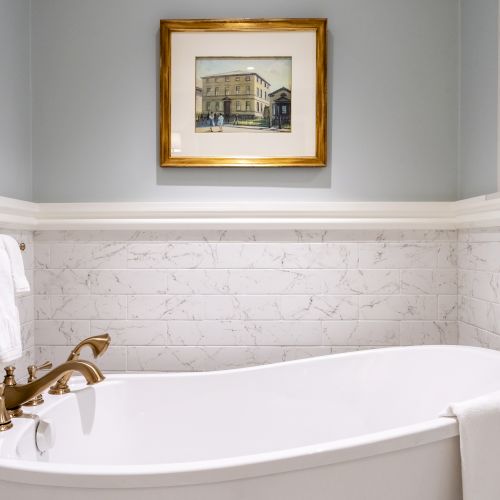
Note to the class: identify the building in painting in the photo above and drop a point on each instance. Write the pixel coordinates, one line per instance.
(198, 101)
(240, 94)
(281, 107)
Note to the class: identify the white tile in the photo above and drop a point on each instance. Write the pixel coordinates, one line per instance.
(128, 282)
(196, 358)
(251, 307)
(165, 307)
(293, 353)
(88, 256)
(398, 307)
(288, 333)
(417, 235)
(398, 255)
(428, 281)
(355, 333)
(477, 337)
(480, 235)
(42, 256)
(86, 236)
(62, 281)
(165, 359)
(318, 307)
(198, 281)
(484, 315)
(482, 285)
(87, 307)
(171, 255)
(374, 282)
(286, 256)
(61, 332)
(348, 349)
(479, 256)
(282, 281)
(42, 307)
(465, 280)
(131, 332)
(447, 307)
(243, 332)
(51, 236)
(275, 281)
(447, 255)
(207, 332)
(428, 332)
(204, 300)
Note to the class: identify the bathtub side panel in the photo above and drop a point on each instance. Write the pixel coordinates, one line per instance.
(431, 471)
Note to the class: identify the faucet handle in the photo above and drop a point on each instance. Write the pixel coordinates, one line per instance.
(5, 418)
(9, 378)
(45, 366)
(33, 369)
(9, 381)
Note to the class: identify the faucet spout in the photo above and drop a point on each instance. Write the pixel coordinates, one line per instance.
(16, 395)
(98, 344)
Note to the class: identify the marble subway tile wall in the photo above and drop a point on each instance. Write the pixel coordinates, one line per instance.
(204, 300)
(25, 306)
(479, 287)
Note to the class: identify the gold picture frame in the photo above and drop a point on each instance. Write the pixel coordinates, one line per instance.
(169, 27)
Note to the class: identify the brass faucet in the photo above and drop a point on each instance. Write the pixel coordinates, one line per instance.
(32, 372)
(16, 395)
(5, 418)
(99, 345)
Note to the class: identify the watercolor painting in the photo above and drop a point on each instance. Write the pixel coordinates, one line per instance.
(243, 94)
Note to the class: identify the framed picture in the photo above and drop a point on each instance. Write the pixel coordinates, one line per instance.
(243, 93)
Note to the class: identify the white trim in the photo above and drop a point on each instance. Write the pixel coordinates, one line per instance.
(242, 215)
(482, 211)
(244, 223)
(18, 214)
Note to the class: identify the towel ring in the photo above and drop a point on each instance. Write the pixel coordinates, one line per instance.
(22, 246)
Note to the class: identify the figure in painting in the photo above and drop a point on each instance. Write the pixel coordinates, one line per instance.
(220, 122)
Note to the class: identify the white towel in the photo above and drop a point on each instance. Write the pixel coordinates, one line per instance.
(12, 280)
(479, 424)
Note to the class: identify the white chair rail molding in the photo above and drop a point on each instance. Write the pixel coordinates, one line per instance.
(481, 211)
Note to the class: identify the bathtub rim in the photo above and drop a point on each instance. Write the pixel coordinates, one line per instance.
(248, 466)
(228, 469)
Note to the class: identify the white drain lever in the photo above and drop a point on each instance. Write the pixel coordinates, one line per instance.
(45, 436)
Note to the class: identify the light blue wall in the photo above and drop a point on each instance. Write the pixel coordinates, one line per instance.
(15, 95)
(393, 114)
(478, 100)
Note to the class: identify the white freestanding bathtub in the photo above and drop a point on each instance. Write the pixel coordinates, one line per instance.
(356, 426)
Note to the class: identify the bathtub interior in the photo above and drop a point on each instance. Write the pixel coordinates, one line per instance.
(178, 418)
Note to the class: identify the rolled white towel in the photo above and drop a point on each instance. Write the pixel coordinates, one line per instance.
(479, 424)
(12, 280)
